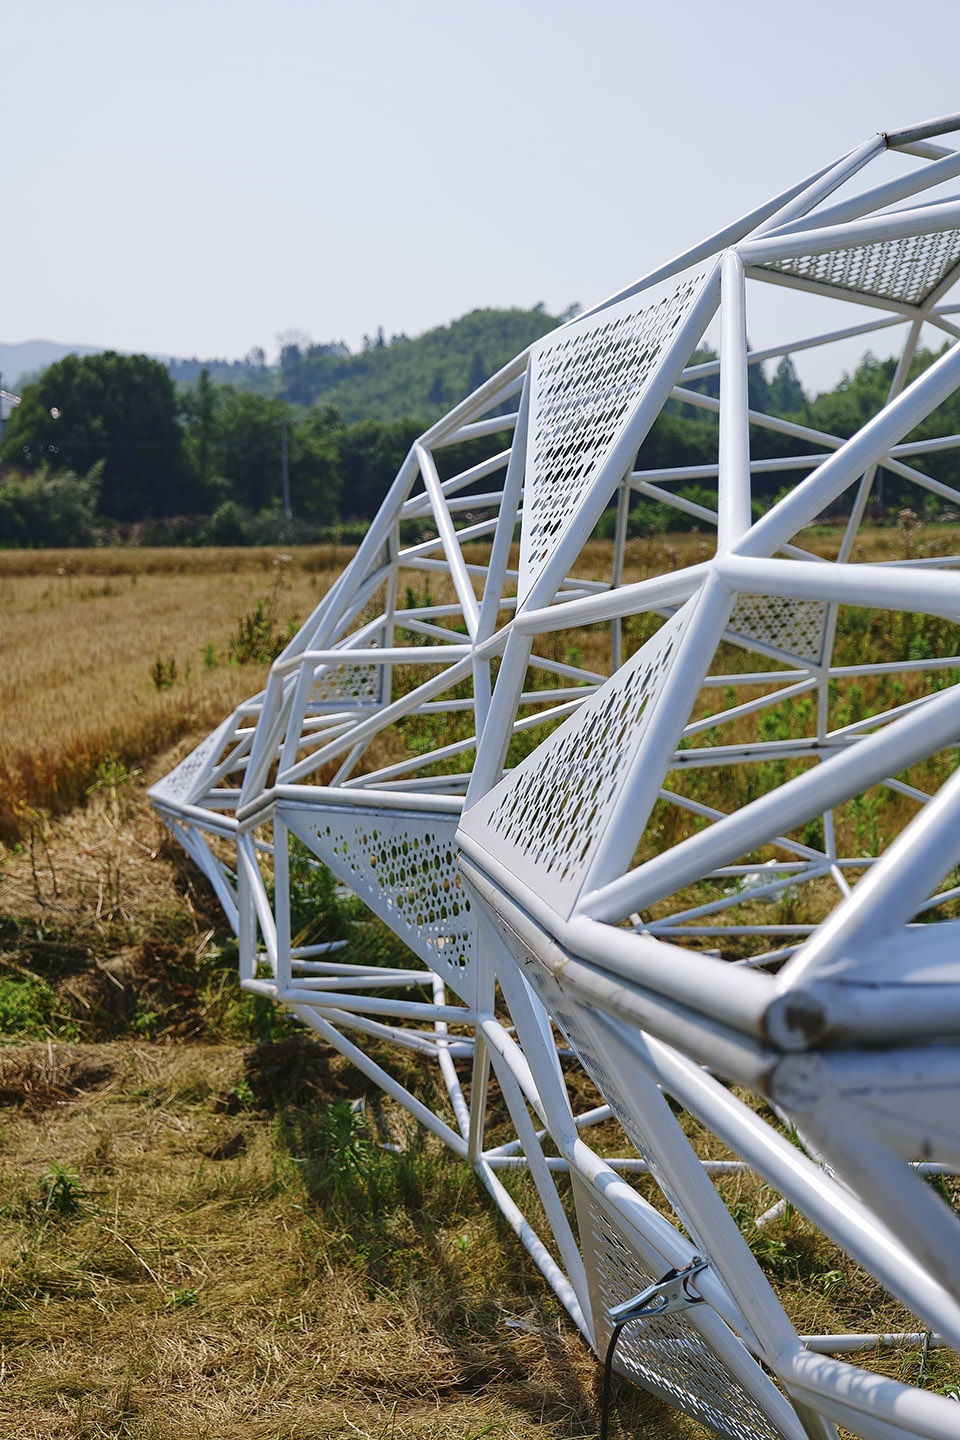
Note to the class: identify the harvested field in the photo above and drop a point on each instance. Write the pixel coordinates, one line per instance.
(202, 1236)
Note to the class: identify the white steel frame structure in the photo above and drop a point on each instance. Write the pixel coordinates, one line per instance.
(570, 890)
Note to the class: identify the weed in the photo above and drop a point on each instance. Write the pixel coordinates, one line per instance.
(145, 1021)
(242, 1094)
(179, 1297)
(29, 1009)
(164, 673)
(62, 1193)
(110, 777)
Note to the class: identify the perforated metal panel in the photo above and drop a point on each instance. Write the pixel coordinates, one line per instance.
(188, 779)
(544, 819)
(586, 382)
(404, 866)
(340, 685)
(669, 1356)
(907, 270)
(795, 627)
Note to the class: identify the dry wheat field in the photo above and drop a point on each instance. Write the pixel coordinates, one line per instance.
(201, 1234)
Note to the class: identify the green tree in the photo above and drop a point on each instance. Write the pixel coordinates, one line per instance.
(249, 446)
(119, 410)
(786, 392)
(371, 452)
(200, 406)
(315, 468)
(47, 507)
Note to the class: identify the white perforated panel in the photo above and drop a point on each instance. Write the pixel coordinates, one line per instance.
(545, 817)
(404, 867)
(668, 1356)
(795, 626)
(339, 685)
(907, 270)
(188, 779)
(586, 382)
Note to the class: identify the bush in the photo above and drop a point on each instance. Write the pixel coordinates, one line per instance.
(45, 509)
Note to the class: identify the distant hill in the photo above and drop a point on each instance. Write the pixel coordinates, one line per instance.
(421, 377)
(30, 356)
(386, 380)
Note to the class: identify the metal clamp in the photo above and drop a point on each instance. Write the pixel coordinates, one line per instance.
(663, 1297)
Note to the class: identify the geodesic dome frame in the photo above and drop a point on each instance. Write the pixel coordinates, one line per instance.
(519, 763)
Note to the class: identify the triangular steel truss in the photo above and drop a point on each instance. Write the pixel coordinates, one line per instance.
(514, 749)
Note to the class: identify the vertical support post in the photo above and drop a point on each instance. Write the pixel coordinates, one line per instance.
(733, 481)
(281, 900)
(479, 1086)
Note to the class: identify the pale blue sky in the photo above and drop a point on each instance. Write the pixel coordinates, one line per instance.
(200, 176)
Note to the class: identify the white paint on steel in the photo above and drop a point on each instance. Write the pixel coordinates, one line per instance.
(549, 833)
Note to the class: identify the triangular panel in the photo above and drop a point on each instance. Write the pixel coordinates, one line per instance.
(790, 626)
(403, 865)
(544, 818)
(906, 270)
(586, 382)
(188, 779)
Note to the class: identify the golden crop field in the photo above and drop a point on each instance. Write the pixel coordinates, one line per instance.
(126, 651)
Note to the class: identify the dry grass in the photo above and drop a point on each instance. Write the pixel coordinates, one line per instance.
(219, 1276)
(204, 1280)
(81, 635)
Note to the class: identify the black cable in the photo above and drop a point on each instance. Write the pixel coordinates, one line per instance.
(608, 1376)
(642, 1312)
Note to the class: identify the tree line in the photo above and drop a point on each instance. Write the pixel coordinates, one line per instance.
(109, 447)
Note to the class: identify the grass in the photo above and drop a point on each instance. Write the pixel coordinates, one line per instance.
(125, 652)
(201, 1233)
(201, 1236)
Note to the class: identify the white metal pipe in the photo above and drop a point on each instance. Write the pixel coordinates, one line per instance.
(537, 1251)
(446, 1047)
(493, 743)
(379, 721)
(449, 540)
(733, 484)
(882, 196)
(720, 240)
(861, 1399)
(475, 429)
(934, 592)
(771, 352)
(893, 888)
(420, 1112)
(693, 1196)
(491, 393)
(642, 595)
(824, 184)
(394, 655)
(888, 751)
(902, 224)
(307, 797)
(247, 863)
(460, 481)
(827, 1204)
(546, 1189)
(913, 134)
(659, 986)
